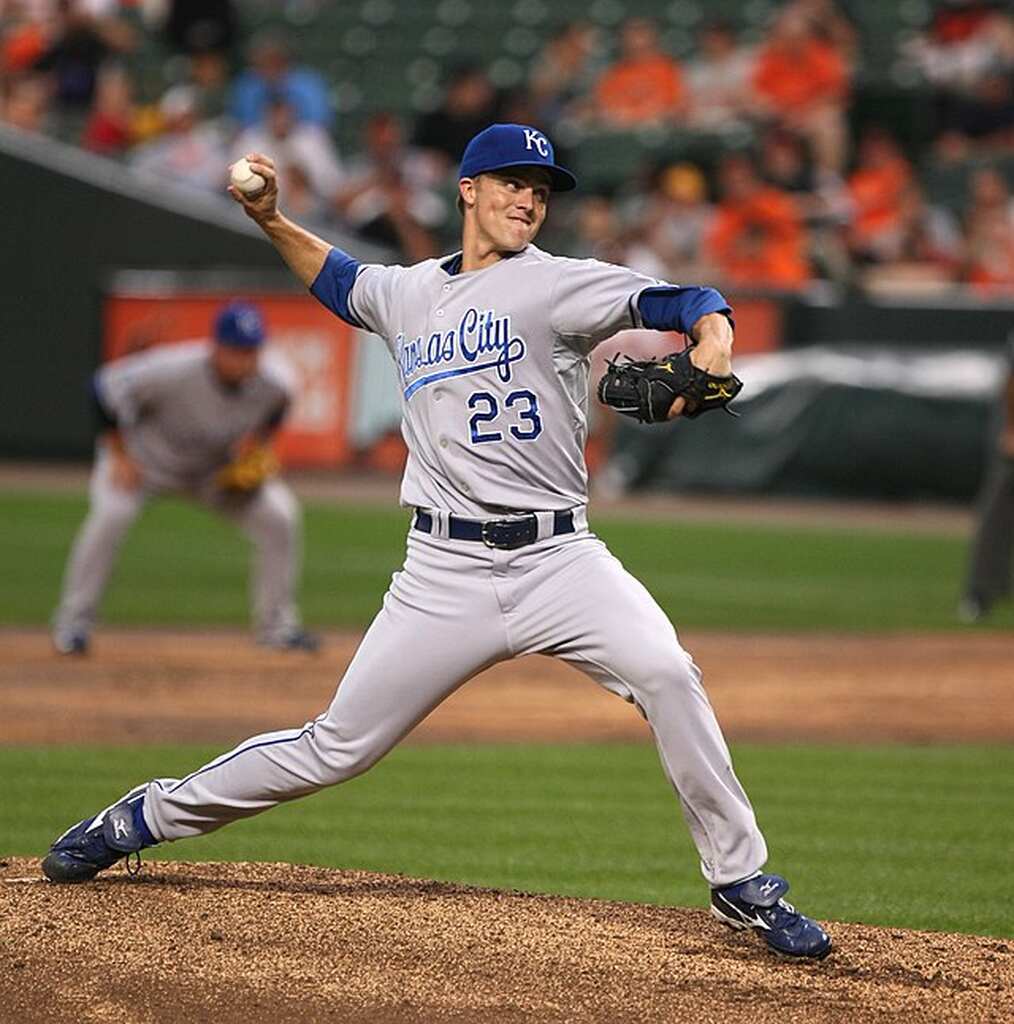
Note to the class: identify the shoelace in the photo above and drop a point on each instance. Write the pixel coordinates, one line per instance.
(133, 865)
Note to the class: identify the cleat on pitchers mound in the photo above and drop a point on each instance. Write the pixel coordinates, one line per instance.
(99, 842)
(757, 903)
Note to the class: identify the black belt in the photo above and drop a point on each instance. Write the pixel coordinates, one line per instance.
(497, 533)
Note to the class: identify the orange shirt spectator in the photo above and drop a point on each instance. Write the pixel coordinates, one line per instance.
(793, 79)
(875, 189)
(757, 238)
(644, 84)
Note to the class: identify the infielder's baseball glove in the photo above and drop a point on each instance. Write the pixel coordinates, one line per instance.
(645, 389)
(248, 471)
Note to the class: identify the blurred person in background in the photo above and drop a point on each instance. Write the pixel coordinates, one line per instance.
(820, 197)
(469, 104)
(644, 84)
(801, 82)
(563, 75)
(964, 42)
(676, 219)
(989, 571)
(173, 418)
(23, 38)
(25, 103)
(271, 71)
(875, 190)
(989, 233)
(980, 121)
(391, 195)
(757, 239)
(299, 147)
(718, 78)
(190, 152)
(601, 235)
(198, 26)
(923, 250)
(79, 44)
(110, 129)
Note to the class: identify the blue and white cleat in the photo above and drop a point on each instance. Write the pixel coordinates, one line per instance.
(757, 903)
(99, 842)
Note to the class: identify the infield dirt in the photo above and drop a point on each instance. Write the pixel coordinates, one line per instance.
(276, 942)
(272, 942)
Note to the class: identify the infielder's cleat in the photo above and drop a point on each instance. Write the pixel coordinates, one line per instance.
(972, 609)
(297, 640)
(70, 643)
(757, 903)
(99, 842)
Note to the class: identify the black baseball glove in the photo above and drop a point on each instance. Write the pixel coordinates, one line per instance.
(646, 389)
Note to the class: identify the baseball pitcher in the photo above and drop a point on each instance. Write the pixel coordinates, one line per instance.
(193, 419)
(492, 349)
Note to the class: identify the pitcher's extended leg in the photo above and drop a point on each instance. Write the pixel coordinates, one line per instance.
(589, 611)
(419, 649)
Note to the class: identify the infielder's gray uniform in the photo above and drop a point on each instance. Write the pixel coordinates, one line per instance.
(493, 367)
(179, 425)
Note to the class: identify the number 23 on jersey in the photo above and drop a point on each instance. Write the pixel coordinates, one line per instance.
(518, 414)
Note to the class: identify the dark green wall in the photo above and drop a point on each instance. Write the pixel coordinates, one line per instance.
(58, 238)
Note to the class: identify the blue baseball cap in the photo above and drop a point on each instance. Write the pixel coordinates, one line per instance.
(239, 325)
(514, 145)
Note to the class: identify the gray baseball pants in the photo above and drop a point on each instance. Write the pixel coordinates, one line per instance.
(270, 518)
(455, 608)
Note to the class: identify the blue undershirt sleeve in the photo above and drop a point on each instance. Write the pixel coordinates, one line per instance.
(333, 285)
(672, 308)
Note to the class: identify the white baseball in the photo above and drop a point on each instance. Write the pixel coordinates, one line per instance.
(245, 179)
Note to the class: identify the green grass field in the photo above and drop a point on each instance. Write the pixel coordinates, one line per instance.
(181, 566)
(918, 837)
(914, 837)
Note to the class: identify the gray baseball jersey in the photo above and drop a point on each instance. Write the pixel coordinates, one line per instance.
(178, 422)
(493, 367)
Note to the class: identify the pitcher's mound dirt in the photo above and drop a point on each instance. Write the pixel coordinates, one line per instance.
(274, 942)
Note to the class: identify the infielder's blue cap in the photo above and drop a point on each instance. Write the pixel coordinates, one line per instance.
(239, 325)
(514, 145)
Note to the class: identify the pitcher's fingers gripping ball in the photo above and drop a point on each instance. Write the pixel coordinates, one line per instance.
(253, 183)
(645, 389)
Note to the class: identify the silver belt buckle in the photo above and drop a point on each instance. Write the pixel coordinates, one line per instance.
(486, 536)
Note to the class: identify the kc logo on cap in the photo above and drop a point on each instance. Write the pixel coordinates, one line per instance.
(514, 145)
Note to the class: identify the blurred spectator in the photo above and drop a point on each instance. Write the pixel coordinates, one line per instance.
(821, 199)
(24, 103)
(981, 121)
(270, 72)
(644, 84)
(829, 23)
(110, 126)
(190, 153)
(757, 239)
(801, 83)
(563, 74)
(23, 38)
(601, 236)
(989, 232)
(199, 26)
(719, 80)
(964, 41)
(390, 196)
(78, 46)
(299, 148)
(876, 188)
(676, 220)
(208, 75)
(924, 251)
(470, 104)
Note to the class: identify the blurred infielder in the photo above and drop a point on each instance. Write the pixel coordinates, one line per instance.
(492, 349)
(192, 419)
